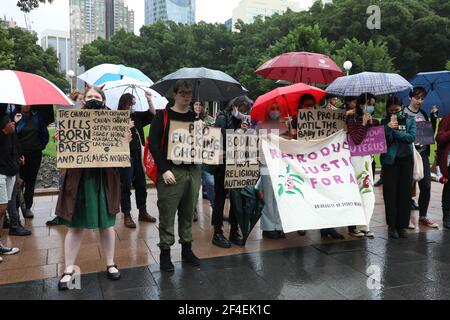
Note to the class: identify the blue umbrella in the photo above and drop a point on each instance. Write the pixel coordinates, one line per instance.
(437, 84)
(102, 73)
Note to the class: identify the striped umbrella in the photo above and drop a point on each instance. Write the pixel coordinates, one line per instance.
(376, 83)
(24, 88)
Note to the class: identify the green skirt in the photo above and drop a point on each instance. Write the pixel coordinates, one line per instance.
(91, 210)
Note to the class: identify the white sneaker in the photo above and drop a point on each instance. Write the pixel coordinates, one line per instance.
(368, 234)
(1, 259)
(356, 233)
(411, 226)
(8, 251)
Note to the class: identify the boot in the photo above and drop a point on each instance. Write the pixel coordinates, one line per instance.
(235, 237)
(28, 214)
(128, 221)
(165, 264)
(19, 231)
(145, 217)
(446, 219)
(188, 256)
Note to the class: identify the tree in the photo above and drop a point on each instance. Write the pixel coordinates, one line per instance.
(6, 50)
(447, 66)
(30, 57)
(365, 56)
(28, 5)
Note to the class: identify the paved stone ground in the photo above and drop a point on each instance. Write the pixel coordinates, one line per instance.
(41, 258)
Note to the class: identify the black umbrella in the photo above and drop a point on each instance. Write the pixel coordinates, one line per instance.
(46, 112)
(208, 84)
(247, 208)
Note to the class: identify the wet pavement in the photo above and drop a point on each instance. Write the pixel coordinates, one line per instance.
(413, 268)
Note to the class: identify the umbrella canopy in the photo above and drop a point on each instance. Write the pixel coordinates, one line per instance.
(376, 83)
(46, 112)
(247, 208)
(102, 73)
(115, 89)
(23, 88)
(207, 84)
(437, 85)
(286, 97)
(303, 67)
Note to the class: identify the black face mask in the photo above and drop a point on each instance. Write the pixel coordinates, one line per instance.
(94, 104)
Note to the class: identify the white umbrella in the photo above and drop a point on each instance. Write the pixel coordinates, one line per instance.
(115, 89)
(106, 72)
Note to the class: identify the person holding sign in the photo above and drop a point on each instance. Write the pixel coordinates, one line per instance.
(398, 165)
(417, 97)
(89, 199)
(178, 183)
(443, 152)
(307, 101)
(135, 175)
(359, 120)
(271, 225)
(232, 118)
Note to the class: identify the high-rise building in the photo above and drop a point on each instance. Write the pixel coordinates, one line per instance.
(90, 19)
(179, 11)
(8, 23)
(229, 24)
(60, 42)
(247, 10)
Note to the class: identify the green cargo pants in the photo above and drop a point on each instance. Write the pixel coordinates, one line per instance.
(181, 197)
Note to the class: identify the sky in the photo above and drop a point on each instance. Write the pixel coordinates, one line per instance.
(56, 15)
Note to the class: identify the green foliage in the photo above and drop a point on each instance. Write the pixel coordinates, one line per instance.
(28, 5)
(447, 66)
(6, 50)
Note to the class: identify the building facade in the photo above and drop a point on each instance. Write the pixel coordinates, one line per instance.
(60, 42)
(179, 11)
(90, 19)
(8, 23)
(247, 10)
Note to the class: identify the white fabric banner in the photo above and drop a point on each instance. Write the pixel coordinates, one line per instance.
(314, 182)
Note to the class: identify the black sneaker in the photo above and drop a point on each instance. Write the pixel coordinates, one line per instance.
(19, 231)
(8, 251)
(55, 222)
(393, 234)
(165, 264)
(236, 239)
(220, 241)
(188, 256)
(402, 233)
(28, 214)
(274, 235)
(301, 233)
(332, 233)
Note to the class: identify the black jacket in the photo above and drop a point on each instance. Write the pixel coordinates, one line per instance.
(9, 151)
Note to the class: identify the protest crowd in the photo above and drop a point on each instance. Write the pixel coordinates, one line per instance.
(297, 159)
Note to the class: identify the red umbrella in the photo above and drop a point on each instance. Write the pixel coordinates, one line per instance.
(303, 67)
(23, 88)
(286, 97)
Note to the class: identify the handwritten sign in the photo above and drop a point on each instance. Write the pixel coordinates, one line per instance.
(194, 143)
(242, 154)
(93, 139)
(374, 143)
(424, 133)
(319, 124)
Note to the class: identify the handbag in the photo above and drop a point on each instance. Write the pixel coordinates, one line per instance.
(418, 173)
(151, 168)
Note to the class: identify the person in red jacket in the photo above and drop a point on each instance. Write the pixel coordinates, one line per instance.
(443, 154)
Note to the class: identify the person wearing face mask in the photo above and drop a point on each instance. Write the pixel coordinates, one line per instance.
(232, 118)
(417, 97)
(33, 137)
(89, 199)
(358, 123)
(135, 174)
(270, 219)
(398, 164)
(207, 178)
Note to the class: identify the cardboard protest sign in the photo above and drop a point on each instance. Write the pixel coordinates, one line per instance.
(194, 142)
(242, 154)
(93, 139)
(424, 133)
(314, 182)
(319, 124)
(374, 143)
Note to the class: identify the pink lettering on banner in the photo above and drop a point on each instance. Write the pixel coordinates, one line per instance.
(274, 154)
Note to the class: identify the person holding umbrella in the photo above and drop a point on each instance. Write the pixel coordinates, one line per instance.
(178, 184)
(135, 175)
(400, 130)
(232, 118)
(443, 159)
(89, 199)
(33, 137)
(417, 97)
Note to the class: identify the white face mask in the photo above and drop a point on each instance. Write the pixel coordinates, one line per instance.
(369, 109)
